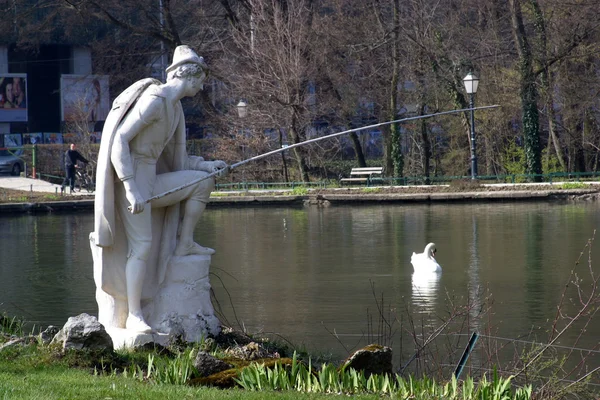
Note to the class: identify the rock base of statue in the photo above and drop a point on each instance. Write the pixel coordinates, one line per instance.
(128, 339)
(180, 309)
(182, 306)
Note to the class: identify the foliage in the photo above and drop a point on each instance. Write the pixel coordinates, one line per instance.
(397, 157)
(299, 191)
(454, 162)
(11, 325)
(329, 379)
(175, 371)
(550, 162)
(513, 159)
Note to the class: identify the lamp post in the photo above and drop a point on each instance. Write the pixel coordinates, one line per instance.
(471, 82)
(242, 109)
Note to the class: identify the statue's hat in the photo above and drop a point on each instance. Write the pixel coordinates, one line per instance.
(185, 55)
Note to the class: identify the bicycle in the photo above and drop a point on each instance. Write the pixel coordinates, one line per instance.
(83, 180)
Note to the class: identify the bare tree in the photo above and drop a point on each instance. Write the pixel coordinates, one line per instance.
(271, 64)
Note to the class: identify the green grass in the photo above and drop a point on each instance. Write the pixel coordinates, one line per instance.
(218, 194)
(574, 185)
(370, 190)
(53, 197)
(42, 372)
(67, 383)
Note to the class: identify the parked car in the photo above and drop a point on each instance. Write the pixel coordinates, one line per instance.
(10, 163)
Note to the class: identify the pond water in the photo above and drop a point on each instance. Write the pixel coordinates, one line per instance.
(316, 275)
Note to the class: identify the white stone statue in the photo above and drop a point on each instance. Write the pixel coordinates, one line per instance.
(137, 244)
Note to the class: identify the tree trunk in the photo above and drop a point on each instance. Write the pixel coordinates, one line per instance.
(396, 145)
(546, 84)
(528, 93)
(294, 137)
(358, 150)
(426, 153)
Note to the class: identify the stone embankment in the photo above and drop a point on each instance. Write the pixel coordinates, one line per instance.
(334, 197)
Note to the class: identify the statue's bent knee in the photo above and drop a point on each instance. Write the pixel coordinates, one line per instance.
(202, 190)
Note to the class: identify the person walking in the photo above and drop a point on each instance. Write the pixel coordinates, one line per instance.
(71, 158)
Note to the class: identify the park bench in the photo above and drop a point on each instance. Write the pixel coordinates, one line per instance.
(363, 175)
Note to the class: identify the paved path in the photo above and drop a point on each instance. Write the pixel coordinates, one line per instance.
(28, 184)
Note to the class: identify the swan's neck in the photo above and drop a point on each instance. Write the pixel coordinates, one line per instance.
(429, 252)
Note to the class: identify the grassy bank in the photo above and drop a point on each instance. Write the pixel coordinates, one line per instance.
(32, 367)
(29, 372)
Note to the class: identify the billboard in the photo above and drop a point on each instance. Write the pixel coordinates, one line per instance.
(13, 140)
(84, 98)
(13, 97)
(53, 138)
(33, 138)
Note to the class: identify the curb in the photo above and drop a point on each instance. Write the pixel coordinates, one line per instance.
(462, 196)
(47, 207)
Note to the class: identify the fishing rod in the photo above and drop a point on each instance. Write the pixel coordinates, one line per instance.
(270, 153)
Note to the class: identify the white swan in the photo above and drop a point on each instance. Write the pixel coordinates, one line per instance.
(425, 262)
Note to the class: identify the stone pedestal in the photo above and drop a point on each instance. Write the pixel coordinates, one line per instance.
(182, 305)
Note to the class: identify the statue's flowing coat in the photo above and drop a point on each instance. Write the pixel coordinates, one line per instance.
(109, 244)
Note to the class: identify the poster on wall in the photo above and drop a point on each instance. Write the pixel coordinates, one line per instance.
(72, 137)
(84, 98)
(13, 97)
(33, 138)
(95, 137)
(53, 138)
(13, 140)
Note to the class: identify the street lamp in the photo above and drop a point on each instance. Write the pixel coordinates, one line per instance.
(242, 109)
(471, 82)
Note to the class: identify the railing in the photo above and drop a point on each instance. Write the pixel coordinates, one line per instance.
(481, 179)
(270, 185)
(419, 180)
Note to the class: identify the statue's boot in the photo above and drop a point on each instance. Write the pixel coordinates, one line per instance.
(135, 323)
(194, 248)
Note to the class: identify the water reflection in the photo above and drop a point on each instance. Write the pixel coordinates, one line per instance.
(425, 287)
(475, 294)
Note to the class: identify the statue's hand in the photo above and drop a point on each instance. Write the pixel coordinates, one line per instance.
(134, 197)
(223, 171)
(221, 167)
